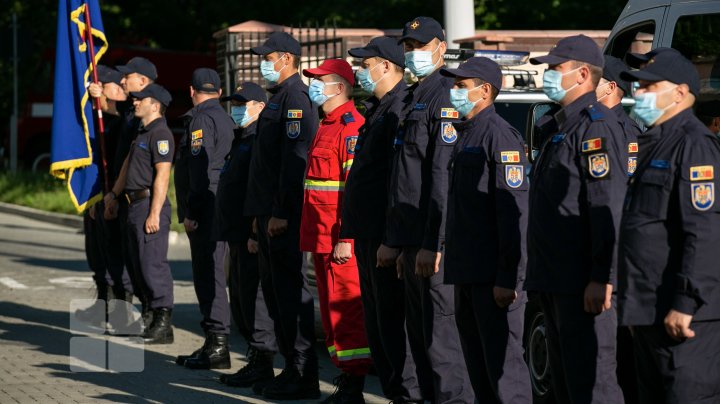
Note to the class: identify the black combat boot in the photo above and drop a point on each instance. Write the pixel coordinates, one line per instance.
(216, 354)
(348, 390)
(160, 331)
(121, 316)
(180, 360)
(291, 385)
(258, 369)
(147, 316)
(97, 312)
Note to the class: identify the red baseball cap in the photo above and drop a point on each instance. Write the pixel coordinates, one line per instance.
(329, 66)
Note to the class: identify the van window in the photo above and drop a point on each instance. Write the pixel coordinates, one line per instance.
(636, 39)
(698, 38)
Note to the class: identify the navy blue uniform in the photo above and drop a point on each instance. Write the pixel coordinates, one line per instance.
(416, 219)
(286, 128)
(201, 156)
(484, 248)
(578, 185)
(154, 144)
(363, 219)
(632, 131)
(247, 303)
(669, 252)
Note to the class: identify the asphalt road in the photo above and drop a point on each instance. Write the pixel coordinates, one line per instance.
(42, 272)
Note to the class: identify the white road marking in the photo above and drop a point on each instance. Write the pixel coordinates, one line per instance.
(12, 283)
(78, 282)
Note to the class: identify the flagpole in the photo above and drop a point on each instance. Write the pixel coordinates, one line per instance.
(101, 125)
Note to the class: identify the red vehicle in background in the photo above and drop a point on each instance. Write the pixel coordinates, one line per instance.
(35, 116)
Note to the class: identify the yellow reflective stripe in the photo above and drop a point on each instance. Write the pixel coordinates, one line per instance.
(349, 354)
(347, 165)
(331, 350)
(316, 185)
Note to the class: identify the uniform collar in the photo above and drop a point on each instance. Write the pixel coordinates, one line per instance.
(478, 119)
(334, 115)
(249, 131)
(618, 108)
(434, 77)
(571, 111)
(207, 104)
(670, 126)
(295, 78)
(152, 125)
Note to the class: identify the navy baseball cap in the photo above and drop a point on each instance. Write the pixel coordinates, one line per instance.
(139, 65)
(578, 47)
(206, 80)
(634, 60)
(278, 42)
(477, 67)
(611, 72)
(423, 30)
(247, 91)
(382, 47)
(108, 75)
(670, 66)
(155, 91)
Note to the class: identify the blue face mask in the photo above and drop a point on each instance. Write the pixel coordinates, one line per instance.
(552, 84)
(420, 62)
(459, 98)
(316, 91)
(365, 79)
(267, 69)
(646, 109)
(240, 115)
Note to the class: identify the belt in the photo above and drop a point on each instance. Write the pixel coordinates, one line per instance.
(134, 196)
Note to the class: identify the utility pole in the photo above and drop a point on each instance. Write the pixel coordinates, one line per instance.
(459, 20)
(14, 117)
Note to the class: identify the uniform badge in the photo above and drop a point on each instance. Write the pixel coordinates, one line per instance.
(294, 114)
(599, 166)
(632, 165)
(702, 173)
(449, 113)
(293, 129)
(350, 144)
(449, 135)
(163, 147)
(703, 195)
(197, 134)
(632, 147)
(592, 145)
(510, 157)
(196, 146)
(514, 175)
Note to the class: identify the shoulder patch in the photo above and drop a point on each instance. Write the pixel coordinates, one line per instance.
(703, 195)
(632, 165)
(197, 134)
(293, 129)
(514, 175)
(273, 106)
(350, 144)
(593, 145)
(702, 173)
(196, 146)
(294, 113)
(632, 147)
(163, 147)
(449, 113)
(448, 133)
(595, 114)
(598, 165)
(348, 117)
(510, 157)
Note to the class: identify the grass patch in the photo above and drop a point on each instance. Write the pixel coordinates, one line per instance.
(43, 191)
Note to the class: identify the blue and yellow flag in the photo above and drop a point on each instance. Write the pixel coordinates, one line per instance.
(73, 126)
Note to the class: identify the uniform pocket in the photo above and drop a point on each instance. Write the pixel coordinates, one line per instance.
(652, 194)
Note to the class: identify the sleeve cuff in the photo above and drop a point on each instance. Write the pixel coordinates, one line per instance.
(685, 304)
(506, 279)
(600, 275)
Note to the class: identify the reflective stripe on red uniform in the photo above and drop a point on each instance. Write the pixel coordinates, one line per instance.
(329, 161)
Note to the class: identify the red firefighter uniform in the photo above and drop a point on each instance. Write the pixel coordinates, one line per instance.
(329, 161)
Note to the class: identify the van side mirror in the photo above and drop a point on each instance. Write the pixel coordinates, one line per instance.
(535, 134)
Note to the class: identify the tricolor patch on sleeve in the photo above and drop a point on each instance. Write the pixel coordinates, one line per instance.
(510, 157)
(449, 113)
(592, 145)
(702, 173)
(197, 134)
(294, 114)
(632, 147)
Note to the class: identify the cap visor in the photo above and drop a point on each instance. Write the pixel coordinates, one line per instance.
(362, 53)
(138, 94)
(261, 50)
(635, 59)
(453, 73)
(124, 69)
(640, 75)
(549, 59)
(317, 72)
(416, 36)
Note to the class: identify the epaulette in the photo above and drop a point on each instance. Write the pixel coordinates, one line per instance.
(595, 114)
(348, 117)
